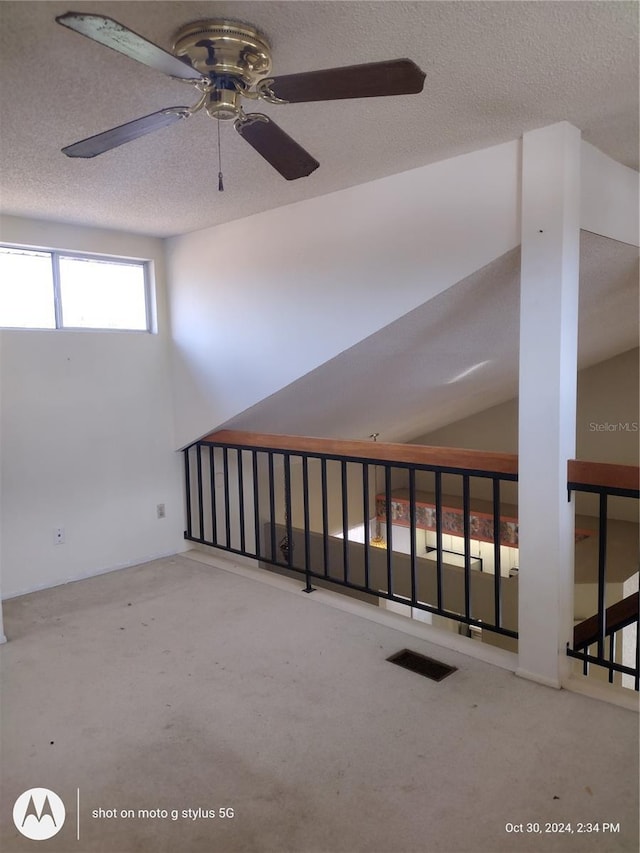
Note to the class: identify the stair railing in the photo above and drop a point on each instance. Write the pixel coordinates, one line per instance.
(596, 639)
(292, 502)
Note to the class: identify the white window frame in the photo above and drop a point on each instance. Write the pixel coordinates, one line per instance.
(55, 256)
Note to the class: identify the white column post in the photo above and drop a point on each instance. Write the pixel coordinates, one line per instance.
(547, 397)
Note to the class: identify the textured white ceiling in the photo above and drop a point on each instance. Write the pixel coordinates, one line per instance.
(494, 70)
(400, 381)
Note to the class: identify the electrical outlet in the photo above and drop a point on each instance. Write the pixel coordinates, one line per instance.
(58, 535)
(160, 511)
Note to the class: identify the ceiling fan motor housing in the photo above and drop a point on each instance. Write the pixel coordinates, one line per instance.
(224, 104)
(224, 51)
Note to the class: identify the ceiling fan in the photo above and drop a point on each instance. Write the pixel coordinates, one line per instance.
(227, 61)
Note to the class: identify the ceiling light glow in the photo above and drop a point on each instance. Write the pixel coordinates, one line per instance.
(468, 372)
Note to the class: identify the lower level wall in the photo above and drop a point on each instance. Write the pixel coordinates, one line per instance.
(482, 583)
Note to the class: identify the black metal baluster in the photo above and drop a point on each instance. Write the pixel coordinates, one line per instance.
(307, 540)
(286, 543)
(612, 654)
(497, 542)
(345, 522)
(187, 485)
(636, 682)
(602, 563)
(366, 510)
(467, 544)
(438, 497)
(227, 515)
(412, 534)
(200, 501)
(325, 516)
(241, 500)
(387, 493)
(256, 500)
(272, 507)
(212, 486)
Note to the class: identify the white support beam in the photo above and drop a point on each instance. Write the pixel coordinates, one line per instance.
(547, 398)
(610, 197)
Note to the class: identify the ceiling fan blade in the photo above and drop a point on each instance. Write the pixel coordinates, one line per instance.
(110, 33)
(276, 146)
(109, 139)
(371, 80)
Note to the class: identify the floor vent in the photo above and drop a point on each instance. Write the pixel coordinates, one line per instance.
(421, 664)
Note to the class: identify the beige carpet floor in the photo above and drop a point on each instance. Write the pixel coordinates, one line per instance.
(178, 686)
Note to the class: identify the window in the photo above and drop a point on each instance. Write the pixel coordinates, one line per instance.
(62, 290)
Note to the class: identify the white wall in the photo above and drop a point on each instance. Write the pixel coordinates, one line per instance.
(260, 302)
(87, 434)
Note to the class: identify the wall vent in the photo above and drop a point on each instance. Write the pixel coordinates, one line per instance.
(433, 669)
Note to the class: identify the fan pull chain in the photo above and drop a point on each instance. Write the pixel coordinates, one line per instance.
(220, 184)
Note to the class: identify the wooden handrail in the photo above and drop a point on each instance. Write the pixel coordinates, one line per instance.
(445, 457)
(603, 474)
(587, 473)
(617, 616)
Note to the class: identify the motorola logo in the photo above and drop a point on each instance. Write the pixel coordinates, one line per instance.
(39, 814)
